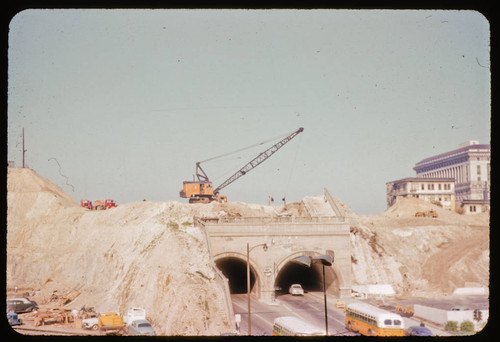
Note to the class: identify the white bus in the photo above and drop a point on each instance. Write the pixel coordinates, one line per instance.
(372, 321)
(293, 326)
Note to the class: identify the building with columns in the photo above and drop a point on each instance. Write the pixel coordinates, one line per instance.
(469, 165)
(456, 179)
(440, 191)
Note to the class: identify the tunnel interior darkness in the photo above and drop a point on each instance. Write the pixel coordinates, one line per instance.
(310, 278)
(235, 270)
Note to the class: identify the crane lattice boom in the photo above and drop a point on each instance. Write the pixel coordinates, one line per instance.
(257, 160)
(202, 191)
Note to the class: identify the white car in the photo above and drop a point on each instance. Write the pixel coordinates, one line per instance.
(296, 290)
(90, 323)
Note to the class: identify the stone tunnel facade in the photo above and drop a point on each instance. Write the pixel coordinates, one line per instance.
(286, 238)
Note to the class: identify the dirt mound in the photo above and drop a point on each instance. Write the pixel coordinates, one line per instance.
(139, 254)
(149, 254)
(38, 194)
(407, 207)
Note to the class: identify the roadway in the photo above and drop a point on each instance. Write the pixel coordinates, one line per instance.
(310, 308)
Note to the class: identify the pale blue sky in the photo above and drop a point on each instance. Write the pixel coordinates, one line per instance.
(127, 101)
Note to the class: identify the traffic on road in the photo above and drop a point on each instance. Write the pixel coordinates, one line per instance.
(309, 308)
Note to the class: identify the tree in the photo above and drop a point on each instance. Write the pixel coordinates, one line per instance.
(451, 326)
(467, 326)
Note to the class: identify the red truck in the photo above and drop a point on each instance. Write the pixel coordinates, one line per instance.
(104, 204)
(86, 204)
(98, 204)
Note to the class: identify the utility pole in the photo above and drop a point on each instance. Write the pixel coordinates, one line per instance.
(23, 148)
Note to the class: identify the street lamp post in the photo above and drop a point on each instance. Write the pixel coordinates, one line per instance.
(325, 260)
(264, 246)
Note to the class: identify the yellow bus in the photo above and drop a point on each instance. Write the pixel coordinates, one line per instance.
(293, 326)
(369, 320)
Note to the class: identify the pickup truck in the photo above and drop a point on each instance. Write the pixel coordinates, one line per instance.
(134, 314)
(104, 321)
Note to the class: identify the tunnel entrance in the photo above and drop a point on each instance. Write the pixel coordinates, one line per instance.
(310, 278)
(235, 270)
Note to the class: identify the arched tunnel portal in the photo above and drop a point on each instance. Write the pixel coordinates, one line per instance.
(310, 278)
(234, 269)
(286, 272)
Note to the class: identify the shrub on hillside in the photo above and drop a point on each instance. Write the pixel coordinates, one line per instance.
(451, 326)
(467, 326)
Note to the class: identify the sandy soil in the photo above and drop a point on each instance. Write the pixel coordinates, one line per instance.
(149, 254)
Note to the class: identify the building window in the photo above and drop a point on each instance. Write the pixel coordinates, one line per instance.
(430, 186)
(439, 186)
(479, 169)
(423, 187)
(472, 208)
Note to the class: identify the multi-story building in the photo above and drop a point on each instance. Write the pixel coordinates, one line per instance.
(440, 191)
(469, 165)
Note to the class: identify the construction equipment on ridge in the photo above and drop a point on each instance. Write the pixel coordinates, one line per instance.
(202, 190)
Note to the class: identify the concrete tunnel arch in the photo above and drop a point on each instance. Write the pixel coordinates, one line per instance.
(311, 278)
(234, 267)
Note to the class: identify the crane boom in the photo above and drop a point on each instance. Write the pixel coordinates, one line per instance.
(257, 160)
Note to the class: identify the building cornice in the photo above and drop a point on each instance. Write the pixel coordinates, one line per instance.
(453, 157)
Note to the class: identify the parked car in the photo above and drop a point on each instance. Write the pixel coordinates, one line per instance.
(91, 323)
(418, 331)
(13, 319)
(21, 304)
(296, 289)
(459, 308)
(141, 327)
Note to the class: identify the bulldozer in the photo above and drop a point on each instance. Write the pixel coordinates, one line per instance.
(202, 189)
(428, 213)
(407, 311)
(104, 204)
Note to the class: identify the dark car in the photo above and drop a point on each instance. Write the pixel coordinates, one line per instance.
(21, 304)
(141, 327)
(418, 331)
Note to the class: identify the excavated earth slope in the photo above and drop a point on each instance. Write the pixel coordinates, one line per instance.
(138, 254)
(421, 256)
(149, 254)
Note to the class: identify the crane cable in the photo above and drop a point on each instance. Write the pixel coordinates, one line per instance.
(292, 168)
(246, 148)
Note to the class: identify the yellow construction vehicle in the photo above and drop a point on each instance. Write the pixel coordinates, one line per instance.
(202, 190)
(428, 213)
(408, 310)
(110, 321)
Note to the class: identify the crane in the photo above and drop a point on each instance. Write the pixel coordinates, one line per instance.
(202, 189)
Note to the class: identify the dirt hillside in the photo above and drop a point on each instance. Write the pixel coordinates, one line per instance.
(138, 254)
(421, 256)
(149, 254)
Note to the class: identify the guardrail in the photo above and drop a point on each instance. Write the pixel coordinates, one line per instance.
(330, 201)
(267, 220)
